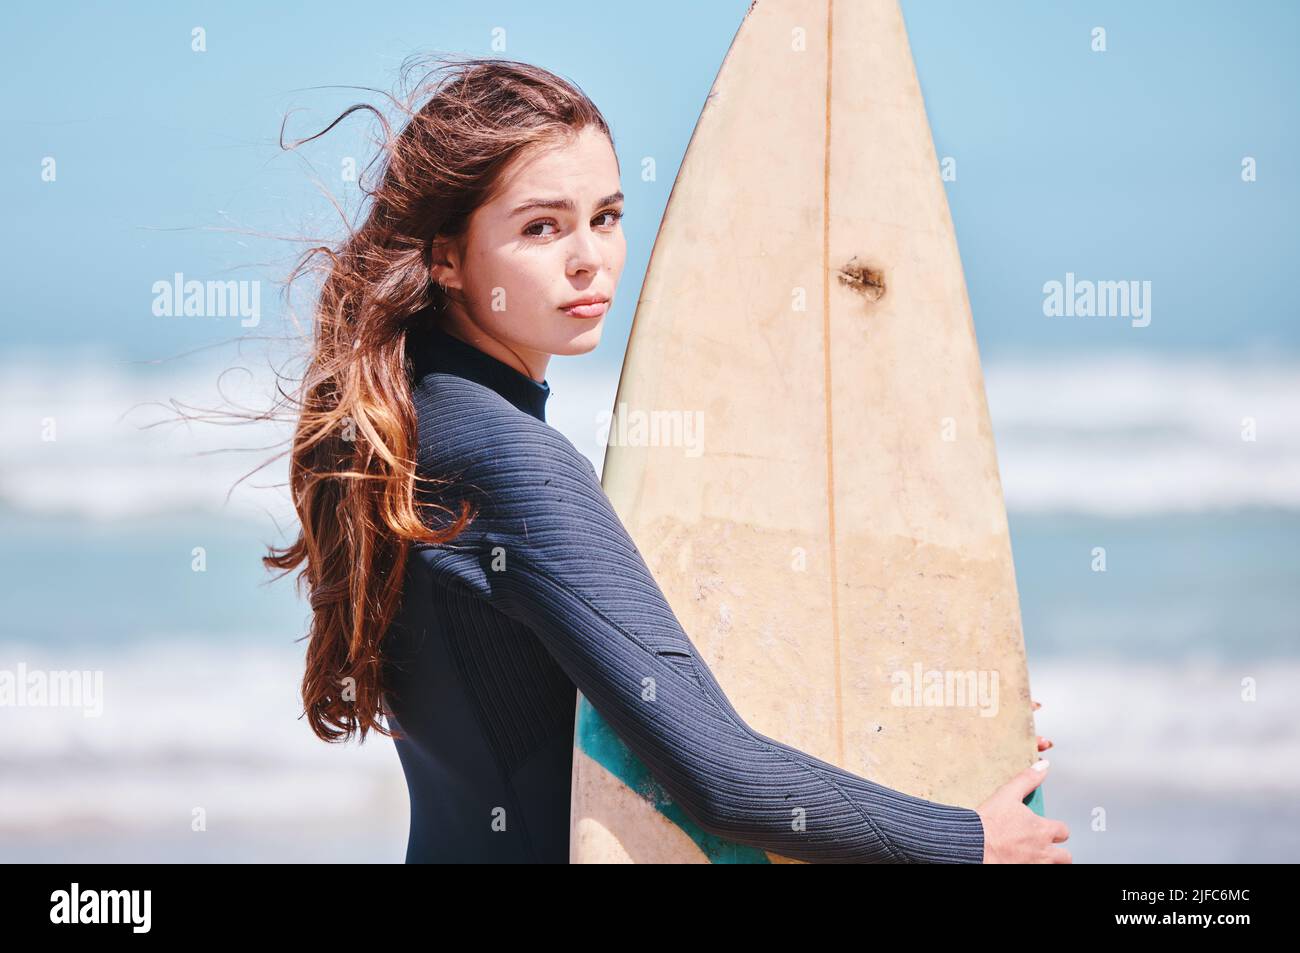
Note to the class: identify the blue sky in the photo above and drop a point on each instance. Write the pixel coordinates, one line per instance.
(1116, 165)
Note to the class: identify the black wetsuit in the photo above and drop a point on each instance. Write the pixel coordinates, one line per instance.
(545, 592)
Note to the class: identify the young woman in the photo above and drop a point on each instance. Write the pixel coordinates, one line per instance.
(467, 571)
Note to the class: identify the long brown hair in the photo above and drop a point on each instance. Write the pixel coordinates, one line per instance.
(352, 462)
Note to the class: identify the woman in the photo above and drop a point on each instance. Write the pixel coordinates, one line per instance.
(466, 569)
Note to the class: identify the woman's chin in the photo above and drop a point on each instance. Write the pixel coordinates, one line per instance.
(581, 340)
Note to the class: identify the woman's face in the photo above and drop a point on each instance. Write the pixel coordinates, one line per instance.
(521, 263)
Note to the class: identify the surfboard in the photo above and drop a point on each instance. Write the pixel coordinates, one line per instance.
(801, 445)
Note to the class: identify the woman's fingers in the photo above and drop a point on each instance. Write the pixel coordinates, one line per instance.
(1043, 743)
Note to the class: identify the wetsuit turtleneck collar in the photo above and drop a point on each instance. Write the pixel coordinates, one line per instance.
(432, 349)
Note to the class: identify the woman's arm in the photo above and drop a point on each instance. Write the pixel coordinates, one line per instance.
(548, 550)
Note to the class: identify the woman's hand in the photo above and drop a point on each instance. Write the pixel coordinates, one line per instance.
(1013, 834)
(1043, 743)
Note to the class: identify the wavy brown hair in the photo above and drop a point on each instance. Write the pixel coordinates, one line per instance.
(352, 471)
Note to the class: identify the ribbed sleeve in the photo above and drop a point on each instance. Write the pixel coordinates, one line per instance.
(548, 550)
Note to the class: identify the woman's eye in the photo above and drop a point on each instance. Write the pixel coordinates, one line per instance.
(530, 230)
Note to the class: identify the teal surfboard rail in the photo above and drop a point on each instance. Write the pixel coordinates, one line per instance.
(1035, 801)
(598, 741)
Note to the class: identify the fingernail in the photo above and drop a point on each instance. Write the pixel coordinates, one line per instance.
(1041, 764)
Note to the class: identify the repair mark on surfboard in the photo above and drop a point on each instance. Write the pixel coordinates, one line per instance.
(865, 280)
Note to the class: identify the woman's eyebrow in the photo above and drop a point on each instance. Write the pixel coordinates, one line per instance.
(563, 204)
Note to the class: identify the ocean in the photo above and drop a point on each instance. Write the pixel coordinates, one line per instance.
(1167, 681)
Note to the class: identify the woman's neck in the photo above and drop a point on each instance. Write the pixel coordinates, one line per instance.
(530, 363)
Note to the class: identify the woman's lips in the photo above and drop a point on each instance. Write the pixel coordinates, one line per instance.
(587, 310)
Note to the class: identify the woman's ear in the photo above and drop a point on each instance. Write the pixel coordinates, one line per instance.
(444, 267)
